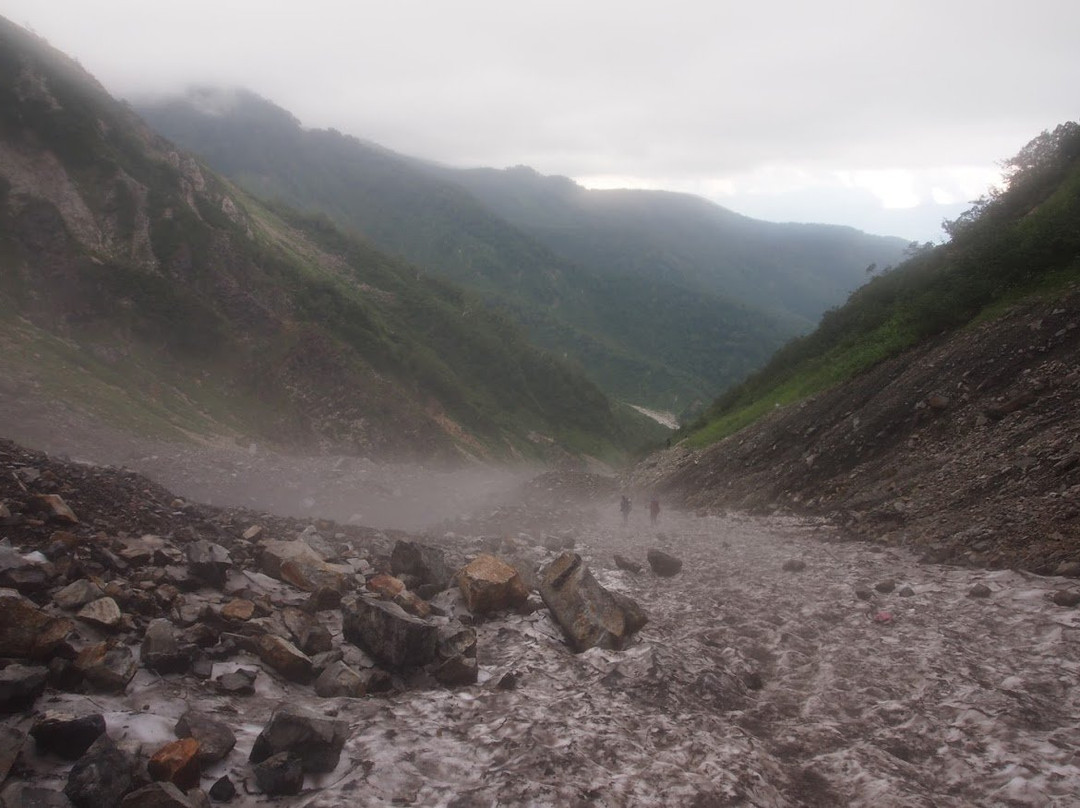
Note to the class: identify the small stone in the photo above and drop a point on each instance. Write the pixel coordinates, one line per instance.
(285, 658)
(863, 593)
(794, 565)
(222, 790)
(252, 533)
(886, 586)
(385, 586)
(1068, 569)
(314, 739)
(161, 650)
(77, 594)
(240, 682)
(979, 591)
(624, 563)
(215, 737)
(664, 564)
(906, 592)
(239, 609)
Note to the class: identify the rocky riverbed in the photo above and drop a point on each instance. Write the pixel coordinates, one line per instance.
(779, 666)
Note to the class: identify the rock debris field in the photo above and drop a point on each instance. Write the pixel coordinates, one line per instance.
(778, 667)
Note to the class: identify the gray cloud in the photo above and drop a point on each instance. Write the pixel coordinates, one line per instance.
(680, 94)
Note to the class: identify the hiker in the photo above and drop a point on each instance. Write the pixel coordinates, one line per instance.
(654, 509)
(624, 506)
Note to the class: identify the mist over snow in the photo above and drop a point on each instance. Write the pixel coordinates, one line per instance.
(885, 117)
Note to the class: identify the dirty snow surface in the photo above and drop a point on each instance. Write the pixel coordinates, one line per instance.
(751, 685)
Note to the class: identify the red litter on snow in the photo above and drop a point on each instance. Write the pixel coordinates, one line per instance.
(883, 617)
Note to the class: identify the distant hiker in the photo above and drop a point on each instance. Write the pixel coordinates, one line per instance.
(654, 509)
(624, 506)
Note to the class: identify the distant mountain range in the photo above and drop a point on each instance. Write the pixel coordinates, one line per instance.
(663, 299)
(138, 284)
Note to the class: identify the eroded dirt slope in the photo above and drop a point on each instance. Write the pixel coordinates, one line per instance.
(968, 448)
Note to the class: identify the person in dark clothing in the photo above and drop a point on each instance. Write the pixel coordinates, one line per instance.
(654, 509)
(624, 506)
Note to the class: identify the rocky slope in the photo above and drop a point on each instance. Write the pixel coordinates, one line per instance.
(966, 448)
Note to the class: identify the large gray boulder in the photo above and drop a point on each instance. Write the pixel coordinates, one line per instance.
(426, 563)
(588, 614)
(315, 739)
(389, 633)
(210, 562)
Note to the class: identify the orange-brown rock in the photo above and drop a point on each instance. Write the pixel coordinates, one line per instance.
(238, 609)
(385, 586)
(177, 762)
(489, 584)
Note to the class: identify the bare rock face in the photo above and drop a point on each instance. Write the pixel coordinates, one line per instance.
(388, 633)
(102, 777)
(664, 564)
(67, 736)
(215, 737)
(314, 739)
(588, 614)
(491, 585)
(426, 563)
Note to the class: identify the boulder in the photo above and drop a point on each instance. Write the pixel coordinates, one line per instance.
(280, 774)
(491, 585)
(624, 563)
(311, 576)
(323, 599)
(886, 586)
(162, 651)
(103, 612)
(11, 746)
(102, 777)
(413, 604)
(240, 682)
(158, 795)
(53, 507)
(388, 633)
(106, 667)
(26, 632)
(275, 553)
(20, 686)
(979, 591)
(664, 564)
(588, 614)
(77, 594)
(222, 790)
(215, 737)
(457, 663)
(385, 586)
(1067, 597)
(209, 562)
(310, 636)
(239, 609)
(314, 739)
(67, 736)
(427, 563)
(285, 658)
(177, 762)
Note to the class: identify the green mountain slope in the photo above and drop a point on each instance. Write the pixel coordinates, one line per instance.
(1014, 243)
(126, 266)
(640, 336)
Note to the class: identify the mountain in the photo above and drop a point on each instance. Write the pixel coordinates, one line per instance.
(646, 335)
(938, 407)
(160, 296)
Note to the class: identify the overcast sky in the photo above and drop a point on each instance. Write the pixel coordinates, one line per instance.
(882, 115)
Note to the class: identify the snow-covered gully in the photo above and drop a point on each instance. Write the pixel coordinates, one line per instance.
(752, 684)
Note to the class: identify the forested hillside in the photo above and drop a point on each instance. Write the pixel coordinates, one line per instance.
(140, 284)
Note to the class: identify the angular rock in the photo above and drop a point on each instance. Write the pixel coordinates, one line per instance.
(311, 576)
(252, 533)
(162, 651)
(588, 614)
(339, 679)
(624, 563)
(489, 584)
(215, 737)
(388, 633)
(67, 736)
(20, 685)
(1068, 569)
(102, 612)
(310, 636)
(979, 591)
(906, 592)
(863, 592)
(102, 777)
(275, 553)
(77, 594)
(323, 599)
(26, 632)
(177, 763)
(106, 667)
(425, 562)
(222, 790)
(158, 795)
(210, 562)
(239, 609)
(280, 774)
(11, 745)
(413, 604)
(886, 586)
(240, 682)
(385, 586)
(457, 656)
(314, 739)
(17, 794)
(664, 564)
(54, 508)
(1067, 597)
(285, 658)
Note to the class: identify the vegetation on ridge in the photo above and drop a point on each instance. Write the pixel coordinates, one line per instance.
(1011, 243)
